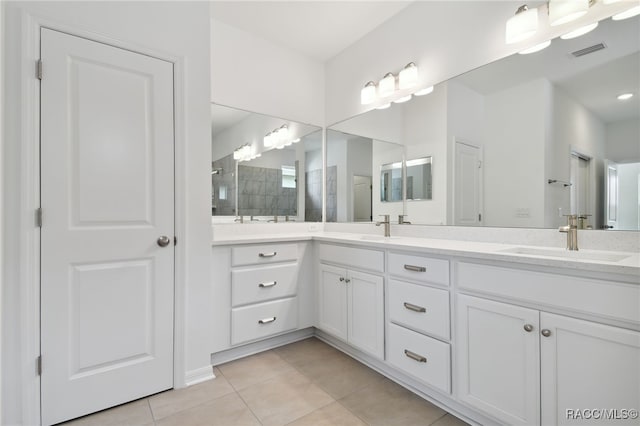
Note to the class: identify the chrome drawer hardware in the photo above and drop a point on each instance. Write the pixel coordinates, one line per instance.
(415, 268)
(528, 328)
(414, 308)
(546, 333)
(266, 320)
(265, 285)
(267, 254)
(414, 356)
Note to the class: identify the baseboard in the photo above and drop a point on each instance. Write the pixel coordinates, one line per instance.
(260, 346)
(199, 375)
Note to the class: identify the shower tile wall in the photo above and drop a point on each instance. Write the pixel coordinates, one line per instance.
(260, 193)
(313, 195)
(224, 182)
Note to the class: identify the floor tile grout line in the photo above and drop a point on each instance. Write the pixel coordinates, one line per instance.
(354, 414)
(249, 408)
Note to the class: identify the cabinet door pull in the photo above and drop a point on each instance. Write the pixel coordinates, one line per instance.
(415, 268)
(265, 285)
(414, 356)
(546, 332)
(347, 280)
(414, 308)
(267, 254)
(341, 279)
(266, 320)
(528, 328)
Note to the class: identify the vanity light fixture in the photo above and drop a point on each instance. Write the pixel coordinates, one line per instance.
(368, 93)
(402, 99)
(634, 11)
(243, 153)
(387, 85)
(384, 106)
(522, 25)
(563, 11)
(625, 96)
(296, 140)
(536, 48)
(408, 77)
(424, 91)
(579, 31)
(268, 140)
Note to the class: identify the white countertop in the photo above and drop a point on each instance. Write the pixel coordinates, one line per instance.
(553, 257)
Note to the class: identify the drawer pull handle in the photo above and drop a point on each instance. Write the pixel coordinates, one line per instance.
(265, 285)
(414, 308)
(266, 320)
(414, 356)
(272, 254)
(415, 268)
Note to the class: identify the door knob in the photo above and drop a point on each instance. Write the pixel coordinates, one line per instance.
(164, 241)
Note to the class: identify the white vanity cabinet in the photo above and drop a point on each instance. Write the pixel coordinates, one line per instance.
(261, 290)
(526, 366)
(419, 327)
(351, 302)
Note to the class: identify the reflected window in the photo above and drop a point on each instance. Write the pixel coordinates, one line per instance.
(288, 177)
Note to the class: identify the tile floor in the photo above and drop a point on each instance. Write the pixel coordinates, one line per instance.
(301, 384)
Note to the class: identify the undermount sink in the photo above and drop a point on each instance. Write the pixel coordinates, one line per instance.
(377, 238)
(567, 254)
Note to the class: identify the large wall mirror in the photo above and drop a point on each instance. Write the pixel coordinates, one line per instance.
(260, 180)
(525, 140)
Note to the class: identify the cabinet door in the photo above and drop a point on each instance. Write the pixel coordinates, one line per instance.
(332, 299)
(586, 365)
(498, 359)
(366, 312)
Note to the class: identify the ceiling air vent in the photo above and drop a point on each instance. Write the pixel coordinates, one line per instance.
(588, 50)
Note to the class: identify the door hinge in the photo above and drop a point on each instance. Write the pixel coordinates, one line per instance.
(39, 69)
(39, 217)
(175, 241)
(479, 217)
(39, 365)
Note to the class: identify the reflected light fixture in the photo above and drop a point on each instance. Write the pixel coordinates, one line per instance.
(579, 31)
(268, 140)
(424, 91)
(402, 99)
(387, 85)
(634, 11)
(368, 93)
(408, 77)
(625, 96)
(384, 106)
(522, 25)
(563, 11)
(296, 140)
(536, 48)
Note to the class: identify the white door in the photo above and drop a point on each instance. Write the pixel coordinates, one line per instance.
(580, 185)
(332, 301)
(107, 195)
(366, 312)
(588, 366)
(499, 360)
(610, 194)
(362, 199)
(468, 185)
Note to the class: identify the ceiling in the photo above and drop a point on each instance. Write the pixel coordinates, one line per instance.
(316, 29)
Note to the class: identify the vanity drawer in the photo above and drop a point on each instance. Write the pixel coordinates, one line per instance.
(263, 283)
(372, 260)
(259, 321)
(422, 308)
(260, 254)
(424, 358)
(419, 268)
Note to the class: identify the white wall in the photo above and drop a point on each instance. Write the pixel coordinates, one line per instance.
(383, 125)
(628, 193)
(623, 141)
(2, 39)
(178, 30)
(444, 38)
(514, 155)
(250, 73)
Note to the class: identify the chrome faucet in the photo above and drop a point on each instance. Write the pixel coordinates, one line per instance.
(387, 225)
(239, 219)
(274, 220)
(401, 220)
(571, 228)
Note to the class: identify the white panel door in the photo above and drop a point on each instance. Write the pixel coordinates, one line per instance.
(468, 185)
(366, 312)
(610, 195)
(362, 199)
(107, 189)
(498, 359)
(332, 301)
(586, 365)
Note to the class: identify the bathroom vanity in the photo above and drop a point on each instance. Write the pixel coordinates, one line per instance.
(484, 330)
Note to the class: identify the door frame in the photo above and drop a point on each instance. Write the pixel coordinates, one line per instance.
(29, 187)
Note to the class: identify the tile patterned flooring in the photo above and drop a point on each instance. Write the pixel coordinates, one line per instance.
(302, 384)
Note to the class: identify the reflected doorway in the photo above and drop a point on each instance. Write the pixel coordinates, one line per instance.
(362, 207)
